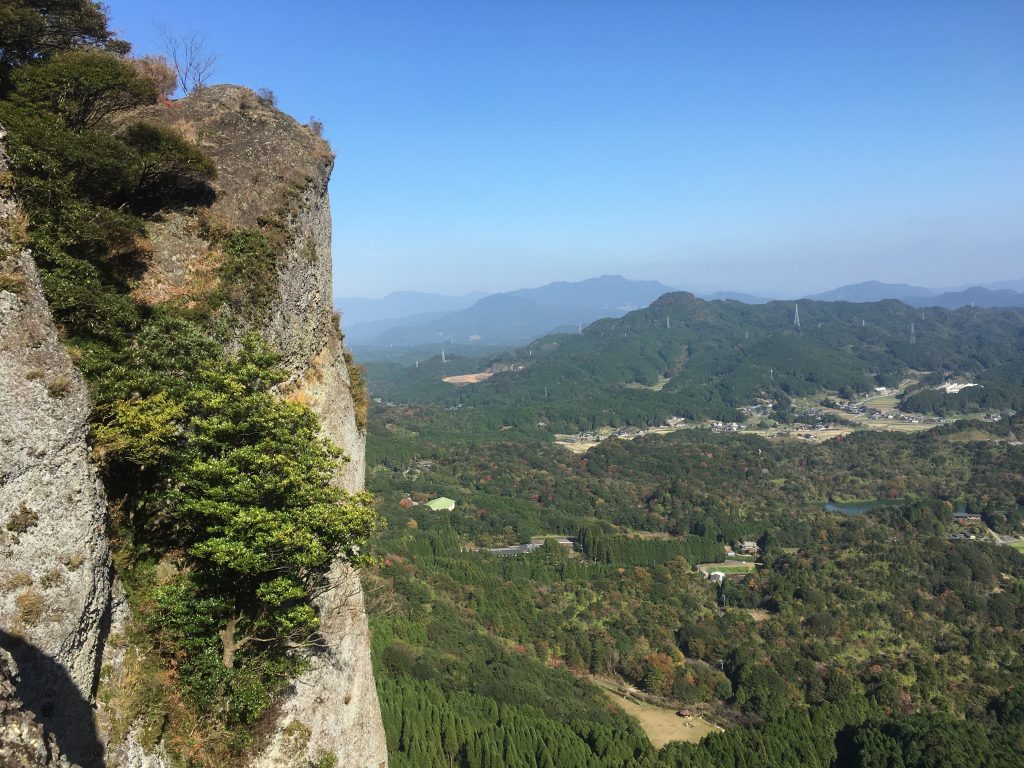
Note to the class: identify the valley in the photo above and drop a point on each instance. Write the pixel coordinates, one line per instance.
(838, 619)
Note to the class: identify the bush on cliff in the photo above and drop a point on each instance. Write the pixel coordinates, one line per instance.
(237, 495)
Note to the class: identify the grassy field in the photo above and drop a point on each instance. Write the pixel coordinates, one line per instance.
(661, 724)
(731, 566)
(1018, 545)
(656, 387)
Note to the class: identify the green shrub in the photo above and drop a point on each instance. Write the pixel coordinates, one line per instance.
(34, 30)
(241, 485)
(359, 389)
(172, 171)
(83, 88)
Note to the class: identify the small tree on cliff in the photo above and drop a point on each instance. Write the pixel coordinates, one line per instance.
(249, 499)
(191, 61)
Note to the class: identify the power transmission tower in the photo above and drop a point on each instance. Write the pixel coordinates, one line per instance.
(796, 316)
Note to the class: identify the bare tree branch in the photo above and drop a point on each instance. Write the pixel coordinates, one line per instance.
(192, 63)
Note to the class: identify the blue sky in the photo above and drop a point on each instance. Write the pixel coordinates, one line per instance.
(744, 145)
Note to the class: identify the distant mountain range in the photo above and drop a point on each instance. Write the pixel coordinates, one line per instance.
(402, 304)
(413, 319)
(872, 290)
(916, 296)
(499, 319)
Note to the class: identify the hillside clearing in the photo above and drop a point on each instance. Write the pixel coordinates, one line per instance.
(468, 378)
(661, 724)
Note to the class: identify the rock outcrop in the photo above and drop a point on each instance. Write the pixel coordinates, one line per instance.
(273, 173)
(56, 589)
(55, 577)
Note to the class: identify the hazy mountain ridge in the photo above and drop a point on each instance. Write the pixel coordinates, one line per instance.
(515, 317)
(995, 295)
(402, 304)
(414, 318)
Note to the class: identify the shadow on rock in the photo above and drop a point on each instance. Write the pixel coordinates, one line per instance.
(45, 689)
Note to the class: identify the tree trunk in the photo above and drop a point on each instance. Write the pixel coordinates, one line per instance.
(227, 641)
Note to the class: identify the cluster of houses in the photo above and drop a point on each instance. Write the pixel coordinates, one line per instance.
(623, 433)
(744, 548)
(749, 548)
(995, 416)
(966, 518)
(721, 426)
(758, 409)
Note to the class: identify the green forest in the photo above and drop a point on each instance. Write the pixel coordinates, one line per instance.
(683, 356)
(884, 638)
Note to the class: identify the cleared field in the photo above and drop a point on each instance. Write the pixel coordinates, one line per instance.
(883, 403)
(733, 566)
(468, 378)
(1018, 545)
(662, 725)
(655, 387)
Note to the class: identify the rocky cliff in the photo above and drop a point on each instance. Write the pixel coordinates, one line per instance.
(272, 176)
(55, 578)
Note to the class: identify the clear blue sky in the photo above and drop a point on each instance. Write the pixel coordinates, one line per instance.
(745, 145)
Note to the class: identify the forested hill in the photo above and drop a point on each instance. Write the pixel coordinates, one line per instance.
(683, 356)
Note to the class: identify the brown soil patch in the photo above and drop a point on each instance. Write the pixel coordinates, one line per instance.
(468, 378)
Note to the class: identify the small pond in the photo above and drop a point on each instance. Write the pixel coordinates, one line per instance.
(859, 507)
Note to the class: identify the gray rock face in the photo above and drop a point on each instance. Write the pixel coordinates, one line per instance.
(54, 559)
(333, 707)
(271, 169)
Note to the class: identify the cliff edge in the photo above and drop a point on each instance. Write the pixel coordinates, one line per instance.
(59, 599)
(272, 173)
